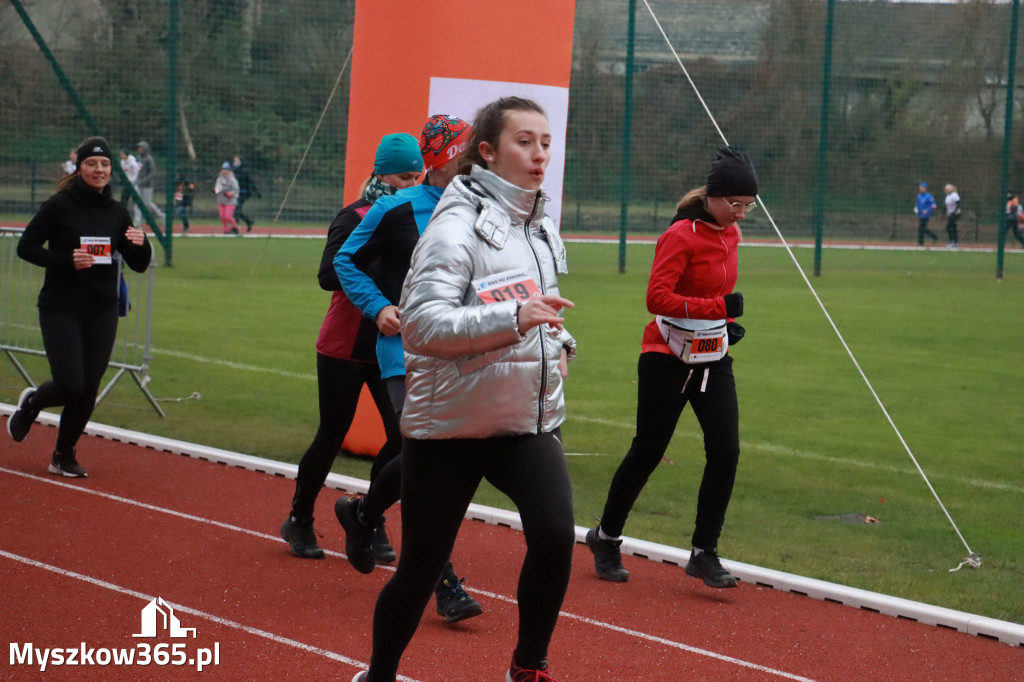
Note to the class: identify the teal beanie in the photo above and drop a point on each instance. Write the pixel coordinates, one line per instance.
(397, 153)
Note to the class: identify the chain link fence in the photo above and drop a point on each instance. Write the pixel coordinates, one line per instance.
(918, 92)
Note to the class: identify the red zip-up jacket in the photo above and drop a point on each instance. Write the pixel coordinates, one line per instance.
(695, 263)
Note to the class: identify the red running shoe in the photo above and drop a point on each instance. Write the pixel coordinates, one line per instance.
(517, 674)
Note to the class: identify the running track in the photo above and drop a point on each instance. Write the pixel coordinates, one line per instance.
(79, 559)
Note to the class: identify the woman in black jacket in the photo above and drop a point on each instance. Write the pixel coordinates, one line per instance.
(75, 236)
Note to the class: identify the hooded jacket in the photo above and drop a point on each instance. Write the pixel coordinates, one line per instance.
(469, 372)
(72, 213)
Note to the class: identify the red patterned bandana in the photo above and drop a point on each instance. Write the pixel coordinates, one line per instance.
(443, 138)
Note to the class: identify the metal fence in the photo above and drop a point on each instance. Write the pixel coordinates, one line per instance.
(844, 106)
(20, 336)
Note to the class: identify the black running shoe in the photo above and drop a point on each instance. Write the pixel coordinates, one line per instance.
(383, 552)
(301, 538)
(66, 465)
(19, 423)
(607, 558)
(358, 535)
(453, 604)
(708, 568)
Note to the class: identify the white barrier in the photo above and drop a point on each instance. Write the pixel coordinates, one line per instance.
(19, 319)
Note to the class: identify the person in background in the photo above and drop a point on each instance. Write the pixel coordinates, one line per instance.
(184, 195)
(346, 359)
(684, 358)
(131, 167)
(371, 265)
(486, 354)
(146, 181)
(70, 163)
(246, 188)
(1014, 216)
(952, 202)
(77, 236)
(923, 209)
(226, 189)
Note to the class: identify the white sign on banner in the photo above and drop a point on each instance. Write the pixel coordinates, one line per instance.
(462, 97)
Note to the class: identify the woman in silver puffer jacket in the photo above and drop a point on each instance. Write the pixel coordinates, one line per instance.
(486, 239)
(485, 355)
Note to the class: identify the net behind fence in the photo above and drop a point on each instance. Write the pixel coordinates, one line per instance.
(918, 92)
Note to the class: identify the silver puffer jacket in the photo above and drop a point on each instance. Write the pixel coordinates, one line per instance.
(469, 373)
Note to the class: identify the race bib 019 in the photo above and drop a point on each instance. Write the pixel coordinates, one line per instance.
(98, 248)
(510, 285)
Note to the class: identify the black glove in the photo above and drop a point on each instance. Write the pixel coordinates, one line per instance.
(735, 332)
(733, 304)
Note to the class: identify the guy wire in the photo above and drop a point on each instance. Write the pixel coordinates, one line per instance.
(270, 233)
(973, 559)
(312, 137)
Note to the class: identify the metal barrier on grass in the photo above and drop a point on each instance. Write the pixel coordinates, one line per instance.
(19, 320)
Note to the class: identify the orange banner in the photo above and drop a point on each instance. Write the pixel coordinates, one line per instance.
(401, 45)
(412, 59)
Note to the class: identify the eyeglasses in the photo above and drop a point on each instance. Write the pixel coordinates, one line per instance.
(737, 205)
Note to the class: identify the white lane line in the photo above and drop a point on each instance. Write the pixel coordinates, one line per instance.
(784, 451)
(199, 519)
(192, 612)
(231, 364)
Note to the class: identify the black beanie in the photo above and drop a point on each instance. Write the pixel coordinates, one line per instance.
(731, 175)
(91, 146)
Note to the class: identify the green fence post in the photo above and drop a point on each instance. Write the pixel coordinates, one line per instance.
(172, 122)
(624, 180)
(819, 193)
(1011, 68)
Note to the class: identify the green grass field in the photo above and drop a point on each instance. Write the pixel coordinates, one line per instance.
(937, 335)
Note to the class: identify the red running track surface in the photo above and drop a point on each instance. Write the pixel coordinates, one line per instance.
(79, 559)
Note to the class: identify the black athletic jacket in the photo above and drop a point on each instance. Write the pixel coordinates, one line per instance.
(72, 213)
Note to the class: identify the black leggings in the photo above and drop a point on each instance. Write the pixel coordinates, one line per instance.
(439, 479)
(386, 486)
(1012, 227)
(238, 210)
(339, 383)
(951, 231)
(922, 230)
(666, 384)
(78, 346)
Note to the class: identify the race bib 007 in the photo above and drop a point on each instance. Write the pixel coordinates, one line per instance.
(98, 248)
(510, 285)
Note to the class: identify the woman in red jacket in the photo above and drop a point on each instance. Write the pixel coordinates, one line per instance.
(684, 359)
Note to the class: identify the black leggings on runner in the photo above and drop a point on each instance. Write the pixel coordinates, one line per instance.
(339, 383)
(439, 479)
(666, 384)
(386, 479)
(922, 230)
(951, 231)
(78, 346)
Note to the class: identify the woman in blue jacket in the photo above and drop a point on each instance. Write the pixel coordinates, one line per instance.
(345, 358)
